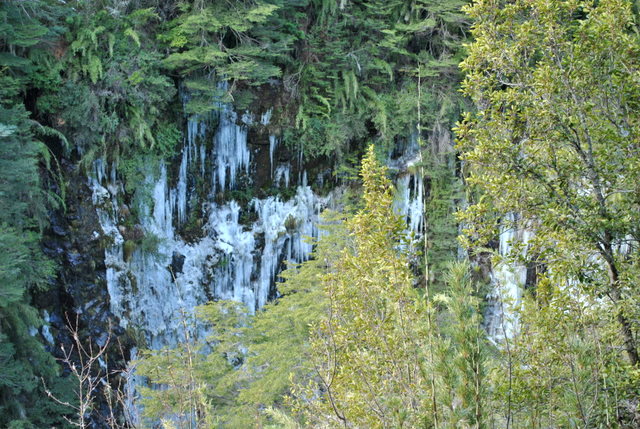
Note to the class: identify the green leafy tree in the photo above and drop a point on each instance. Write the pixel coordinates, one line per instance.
(386, 354)
(555, 140)
(561, 368)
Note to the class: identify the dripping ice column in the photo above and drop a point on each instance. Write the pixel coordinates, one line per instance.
(284, 223)
(230, 152)
(273, 145)
(231, 279)
(196, 130)
(409, 202)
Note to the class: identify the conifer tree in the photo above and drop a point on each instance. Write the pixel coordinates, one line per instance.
(462, 360)
(24, 269)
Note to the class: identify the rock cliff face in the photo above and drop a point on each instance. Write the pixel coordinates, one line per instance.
(218, 222)
(79, 294)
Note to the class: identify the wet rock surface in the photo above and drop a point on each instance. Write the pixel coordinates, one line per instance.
(78, 299)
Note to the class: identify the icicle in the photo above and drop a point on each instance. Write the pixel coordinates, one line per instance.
(46, 328)
(232, 276)
(409, 202)
(273, 145)
(416, 206)
(132, 381)
(282, 175)
(191, 151)
(284, 224)
(203, 157)
(182, 187)
(230, 152)
(266, 118)
(99, 168)
(300, 157)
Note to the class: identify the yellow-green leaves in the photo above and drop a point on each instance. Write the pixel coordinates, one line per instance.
(365, 349)
(553, 82)
(555, 140)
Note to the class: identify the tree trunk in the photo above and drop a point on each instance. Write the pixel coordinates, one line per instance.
(625, 326)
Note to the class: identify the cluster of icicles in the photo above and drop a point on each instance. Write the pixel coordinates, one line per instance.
(228, 262)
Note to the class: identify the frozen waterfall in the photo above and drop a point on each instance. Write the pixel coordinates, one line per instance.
(236, 260)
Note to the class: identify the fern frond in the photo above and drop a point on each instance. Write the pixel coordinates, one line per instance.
(50, 132)
(133, 34)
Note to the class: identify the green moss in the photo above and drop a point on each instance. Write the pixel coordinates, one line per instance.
(133, 281)
(192, 230)
(242, 196)
(291, 223)
(128, 248)
(150, 244)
